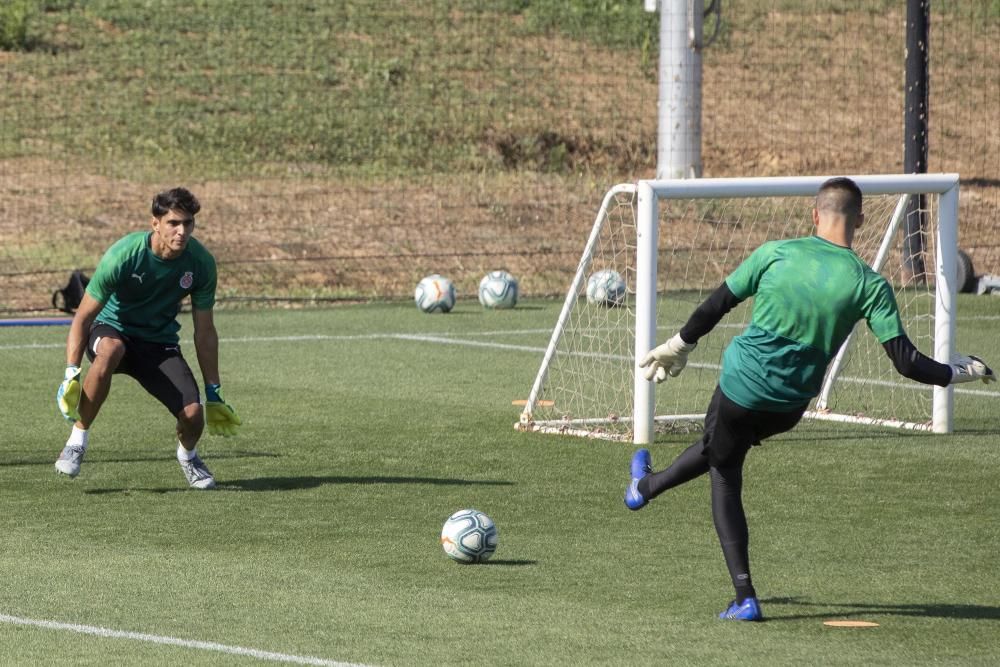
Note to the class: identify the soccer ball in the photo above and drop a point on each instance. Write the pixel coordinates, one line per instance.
(606, 288)
(498, 289)
(435, 294)
(469, 536)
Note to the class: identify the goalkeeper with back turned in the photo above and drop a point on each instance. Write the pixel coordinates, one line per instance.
(127, 323)
(808, 295)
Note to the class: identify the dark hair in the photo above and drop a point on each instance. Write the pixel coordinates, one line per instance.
(839, 195)
(177, 198)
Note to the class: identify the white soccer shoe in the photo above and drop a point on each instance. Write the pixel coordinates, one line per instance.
(70, 459)
(197, 473)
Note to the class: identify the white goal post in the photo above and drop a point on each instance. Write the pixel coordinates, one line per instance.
(589, 382)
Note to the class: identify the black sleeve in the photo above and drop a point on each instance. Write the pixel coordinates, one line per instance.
(910, 363)
(708, 314)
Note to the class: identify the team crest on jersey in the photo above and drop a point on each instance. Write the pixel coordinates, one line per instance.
(187, 280)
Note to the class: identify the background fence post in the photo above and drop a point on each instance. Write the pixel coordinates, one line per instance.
(915, 126)
(678, 145)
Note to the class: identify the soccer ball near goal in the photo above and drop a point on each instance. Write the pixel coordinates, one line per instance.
(498, 289)
(435, 294)
(469, 536)
(606, 288)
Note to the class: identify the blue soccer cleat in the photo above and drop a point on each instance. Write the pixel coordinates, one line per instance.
(642, 465)
(748, 610)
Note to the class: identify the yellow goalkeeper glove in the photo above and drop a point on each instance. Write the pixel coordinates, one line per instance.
(68, 394)
(219, 415)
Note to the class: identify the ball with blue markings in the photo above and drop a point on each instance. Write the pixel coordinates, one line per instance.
(469, 536)
(606, 288)
(498, 289)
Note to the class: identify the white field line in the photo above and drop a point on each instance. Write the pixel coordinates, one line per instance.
(446, 340)
(33, 346)
(174, 641)
(452, 339)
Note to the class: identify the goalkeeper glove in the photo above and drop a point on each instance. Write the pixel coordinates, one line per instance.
(969, 368)
(669, 358)
(220, 416)
(68, 394)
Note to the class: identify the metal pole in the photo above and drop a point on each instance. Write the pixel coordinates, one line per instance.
(678, 140)
(915, 124)
(647, 242)
(945, 288)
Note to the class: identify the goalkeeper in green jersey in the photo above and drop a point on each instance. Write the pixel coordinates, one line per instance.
(808, 295)
(127, 323)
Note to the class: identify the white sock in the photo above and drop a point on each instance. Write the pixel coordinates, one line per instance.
(79, 437)
(185, 454)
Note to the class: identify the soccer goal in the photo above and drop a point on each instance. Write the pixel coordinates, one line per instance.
(674, 241)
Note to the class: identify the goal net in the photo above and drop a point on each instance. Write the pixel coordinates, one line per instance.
(673, 242)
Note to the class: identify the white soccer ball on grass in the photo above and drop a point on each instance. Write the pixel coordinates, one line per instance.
(469, 536)
(498, 289)
(435, 294)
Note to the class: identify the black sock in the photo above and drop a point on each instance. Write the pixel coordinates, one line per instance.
(689, 464)
(744, 592)
(731, 526)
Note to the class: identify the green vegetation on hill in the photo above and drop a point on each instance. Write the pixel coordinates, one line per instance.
(230, 86)
(387, 89)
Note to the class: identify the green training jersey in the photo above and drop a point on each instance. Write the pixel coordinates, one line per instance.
(808, 295)
(142, 293)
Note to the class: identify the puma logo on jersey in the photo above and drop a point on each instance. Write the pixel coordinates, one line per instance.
(139, 276)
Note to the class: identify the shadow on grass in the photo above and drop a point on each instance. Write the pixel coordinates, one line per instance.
(525, 306)
(131, 490)
(844, 436)
(170, 456)
(514, 562)
(836, 609)
(310, 482)
(849, 434)
(976, 431)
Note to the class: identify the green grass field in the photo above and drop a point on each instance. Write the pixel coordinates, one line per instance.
(366, 426)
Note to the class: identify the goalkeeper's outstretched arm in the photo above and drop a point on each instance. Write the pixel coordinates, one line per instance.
(671, 357)
(220, 417)
(913, 364)
(70, 392)
(79, 329)
(709, 313)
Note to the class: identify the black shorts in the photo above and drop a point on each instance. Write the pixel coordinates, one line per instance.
(731, 430)
(158, 367)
